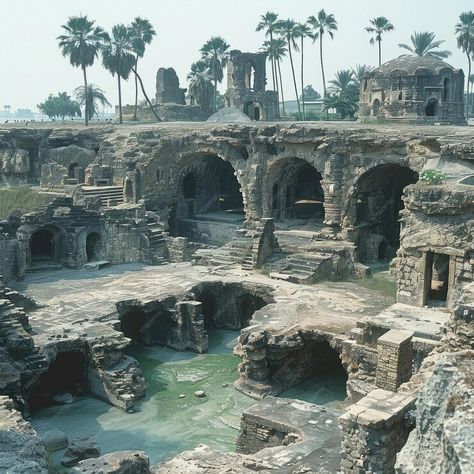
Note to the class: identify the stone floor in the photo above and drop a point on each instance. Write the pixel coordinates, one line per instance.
(82, 297)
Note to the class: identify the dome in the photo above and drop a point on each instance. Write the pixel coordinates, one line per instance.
(410, 65)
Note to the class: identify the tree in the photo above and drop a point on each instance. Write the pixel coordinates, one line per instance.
(60, 105)
(268, 23)
(341, 105)
(380, 25)
(142, 34)
(465, 41)
(342, 80)
(322, 24)
(302, 31)
(424, 44)
(310, 94)
(361, 71)
(288, 30)
(214, 53)
(118, 57)
(95, 96)
(345, 93)
(277, 49)
(7, 109)
(81, 43)
(201, 88)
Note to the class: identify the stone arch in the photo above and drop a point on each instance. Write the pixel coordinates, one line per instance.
(250, 75)
(431, 109)
(94, 247)
(376, 204)
(376, 107)
(71, 171)
(207, 184)
(255, 110)
(47, 245)
(295, 190)
(446, 89)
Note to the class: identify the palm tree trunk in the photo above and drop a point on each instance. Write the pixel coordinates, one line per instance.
(380, 51)
(468, 88)
(120, 99)
(321, 60)
(136, 90)
(294, 78)
(277, 89)
(215, 95)
(302, 79)
(281, 89)
(273, 63)
(137, 77)
(86, 91)
(322, 67)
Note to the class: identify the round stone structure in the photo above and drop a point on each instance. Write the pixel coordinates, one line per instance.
(413, 89)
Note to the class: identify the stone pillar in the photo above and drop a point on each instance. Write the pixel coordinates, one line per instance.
(332, 185)
(395, 359)
(374, 430)
(191, 321)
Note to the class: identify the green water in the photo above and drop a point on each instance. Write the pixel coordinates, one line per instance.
(165, 424)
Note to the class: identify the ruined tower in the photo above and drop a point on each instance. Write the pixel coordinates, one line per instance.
(246, 81)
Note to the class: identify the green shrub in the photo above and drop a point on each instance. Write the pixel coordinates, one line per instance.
(432, 177)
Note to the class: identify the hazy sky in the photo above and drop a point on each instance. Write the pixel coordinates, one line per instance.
(32, 66)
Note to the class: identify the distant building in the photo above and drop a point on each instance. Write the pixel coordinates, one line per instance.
(413, 89)
(246, 82)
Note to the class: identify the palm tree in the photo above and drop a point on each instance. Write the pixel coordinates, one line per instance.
(81, 44)
(143, 33)
(303, 31)
(361, 71)
(379, 26)
(321, 24)
(200, 85)
(268, 22)
(118, 57)
(214, 52)
(90, 101)
(465, 40)
(288, 30)
(343, 79)
(277, 49)
(424, 44)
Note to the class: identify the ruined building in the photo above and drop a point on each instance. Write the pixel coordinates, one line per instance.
(163, 235)
(246, 83)
(413, 89)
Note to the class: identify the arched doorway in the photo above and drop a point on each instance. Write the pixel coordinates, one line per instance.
(208, 190)
(378, 202)
(296, 191)
(72, 170)
(250, 76)
(94, 247)
(446, 87)
(254, 110)
(376, 107)
(432, 107)
(45, 246)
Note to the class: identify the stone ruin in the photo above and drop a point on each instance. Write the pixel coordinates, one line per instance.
(156, 234)
(167, 87)
(413, 89)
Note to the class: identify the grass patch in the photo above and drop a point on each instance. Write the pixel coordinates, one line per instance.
(381, 282)
(21, 197)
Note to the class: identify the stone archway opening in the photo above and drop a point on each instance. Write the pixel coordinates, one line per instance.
(307, 362)
(431, 109)
(376, 107)
(71, 173)
(378, 202)
(94, 247)
(209, 203)
(46, 246)
(254, 110)
(296, 191)
(65, 378)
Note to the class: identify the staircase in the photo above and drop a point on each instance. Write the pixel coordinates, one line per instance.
(156, 240)
(109, 195)
(237, 252)
(302, 268)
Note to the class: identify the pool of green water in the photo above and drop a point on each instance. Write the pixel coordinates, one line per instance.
(165, 423)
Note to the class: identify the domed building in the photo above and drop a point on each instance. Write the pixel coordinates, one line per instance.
(413, 89)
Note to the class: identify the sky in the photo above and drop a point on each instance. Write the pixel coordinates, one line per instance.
(32, 66)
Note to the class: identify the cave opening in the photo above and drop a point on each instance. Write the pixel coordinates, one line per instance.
(65, 375)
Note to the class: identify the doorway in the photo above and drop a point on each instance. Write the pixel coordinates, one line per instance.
(436, 279)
